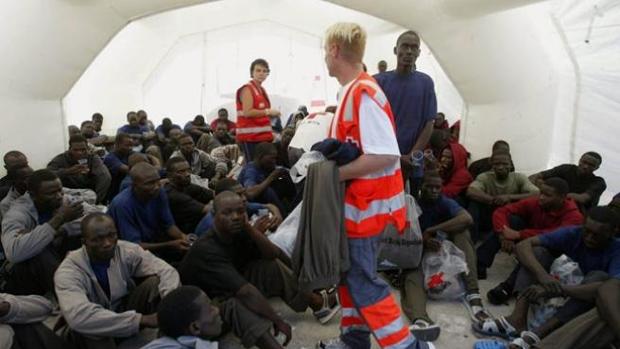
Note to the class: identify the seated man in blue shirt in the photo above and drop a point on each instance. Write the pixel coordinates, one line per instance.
(592, 246)
(117, 162)
(440, 215)
(143, 215)
(253, 208)
(265, 183)
(133, 128)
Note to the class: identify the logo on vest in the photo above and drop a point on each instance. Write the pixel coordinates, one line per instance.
(261, 105)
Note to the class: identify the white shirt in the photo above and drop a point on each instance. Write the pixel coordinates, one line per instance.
(376, 132)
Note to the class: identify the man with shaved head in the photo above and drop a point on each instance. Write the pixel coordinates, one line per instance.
(97, 289)
(143, 216)
(13, 160)
(236, 260)
(411, 94)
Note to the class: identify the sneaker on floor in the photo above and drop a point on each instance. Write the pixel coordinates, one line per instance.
(327, 312)
(333, 343)
(425, 331)
(499, 295)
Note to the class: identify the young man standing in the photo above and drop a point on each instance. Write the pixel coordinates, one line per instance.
(411, 94)
(374, 196)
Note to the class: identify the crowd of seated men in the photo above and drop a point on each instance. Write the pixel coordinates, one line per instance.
(113, 226)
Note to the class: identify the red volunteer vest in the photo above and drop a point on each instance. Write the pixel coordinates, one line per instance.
(377, 199)
(254, 129)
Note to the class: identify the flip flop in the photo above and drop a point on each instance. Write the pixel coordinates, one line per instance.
(475, 309)
(522, 343)
(489, 344)
(490, 328)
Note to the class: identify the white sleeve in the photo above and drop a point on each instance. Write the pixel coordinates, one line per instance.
(376, 131)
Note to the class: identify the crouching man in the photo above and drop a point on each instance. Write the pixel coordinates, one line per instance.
(96, 288)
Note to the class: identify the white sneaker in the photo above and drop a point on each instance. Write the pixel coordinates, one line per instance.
(333, 343)
(326, 312)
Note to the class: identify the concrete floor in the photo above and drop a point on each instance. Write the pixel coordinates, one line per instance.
(453, 318)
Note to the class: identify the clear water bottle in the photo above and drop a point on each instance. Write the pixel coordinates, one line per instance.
(417, 158)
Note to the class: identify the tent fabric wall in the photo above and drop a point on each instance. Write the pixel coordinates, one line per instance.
(522, 67)
(178, 69)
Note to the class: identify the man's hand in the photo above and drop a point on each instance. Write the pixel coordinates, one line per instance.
(510, 234)
(149, 321)
(551, 285)
(272, 112)
(280, 326)
(180, 244)
(71, 211)
(262, 224)
(5, 307)
(406, 163)
(430, 241)
(501, 200)
(278, 172)
(508, 246)
(75, 170)
(534, 294)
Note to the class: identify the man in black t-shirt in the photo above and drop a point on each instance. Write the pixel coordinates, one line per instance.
(236, 259)
(584, 187)
(188, 202)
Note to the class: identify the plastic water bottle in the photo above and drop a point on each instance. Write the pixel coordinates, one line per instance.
(417, 158)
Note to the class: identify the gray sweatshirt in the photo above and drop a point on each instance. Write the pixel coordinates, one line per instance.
(85, 305)
(25, 309)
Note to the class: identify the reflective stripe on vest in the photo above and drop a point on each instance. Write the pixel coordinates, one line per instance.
(250, 130)
(254, 129)
(376, 199)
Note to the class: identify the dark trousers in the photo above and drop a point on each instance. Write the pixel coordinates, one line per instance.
(274, 279)
(37, 336)
(482, 215)
(144, 299)
(491, 246)
(246, 325)
(248, 149)
(35, 275)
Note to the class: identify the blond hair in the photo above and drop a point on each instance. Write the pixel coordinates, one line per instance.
(351, 38)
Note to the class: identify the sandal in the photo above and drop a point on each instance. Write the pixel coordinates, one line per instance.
(477, 313)
(526, 340)
(499, 327)
(424, 330)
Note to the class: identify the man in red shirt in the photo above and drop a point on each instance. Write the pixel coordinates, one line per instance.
(532, 216)
(222, 115)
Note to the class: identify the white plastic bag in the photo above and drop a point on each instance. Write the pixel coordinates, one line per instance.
(286, 234)
(442, 272)
(568, 273)
(300, 170)
(402, 251)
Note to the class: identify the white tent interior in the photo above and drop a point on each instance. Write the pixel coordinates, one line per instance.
(543, 75)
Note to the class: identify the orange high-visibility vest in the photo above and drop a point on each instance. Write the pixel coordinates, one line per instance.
(254, 129)
(377, 199)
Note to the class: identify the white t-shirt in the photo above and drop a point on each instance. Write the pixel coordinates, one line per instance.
(313, 129)
(376, 132)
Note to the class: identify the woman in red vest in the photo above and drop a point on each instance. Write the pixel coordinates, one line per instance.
(254, 110)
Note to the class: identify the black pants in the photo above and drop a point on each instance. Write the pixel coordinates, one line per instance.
(489, 248)
(482, 215)
(35, 275)
(37, 336)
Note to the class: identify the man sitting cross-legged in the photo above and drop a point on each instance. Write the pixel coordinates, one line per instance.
(142, 214)
(591, 245)
(35, 234)
(97, 290)
(440, 215)
(494, 189)
(523, 219)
